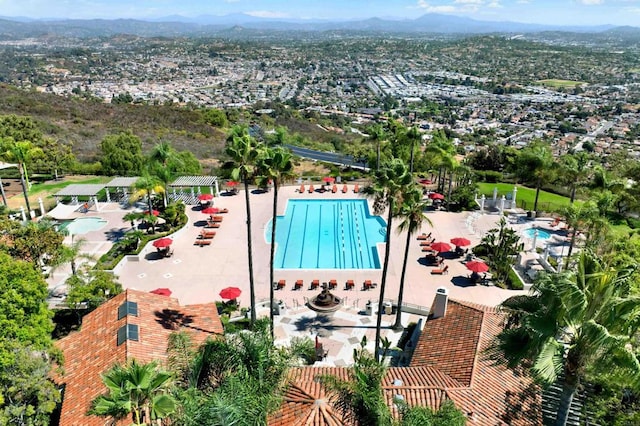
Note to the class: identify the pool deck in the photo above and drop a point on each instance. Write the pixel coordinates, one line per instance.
(196, 274)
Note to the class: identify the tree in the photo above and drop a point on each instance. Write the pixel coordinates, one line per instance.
(574, 171)
(121, 155)
(91, 288)
(243, 152)
(26, 349)
(501, 245)
(73, 253)
(387, 191)
(535, 163)
(274, 164)
(441, 153)
(377, 135)
(55, 156)
(36, 242)
(215, 117)
(446, 415)
(145, 186)
(139, 390)
(21, 152)
(570, 322)
(412, 212)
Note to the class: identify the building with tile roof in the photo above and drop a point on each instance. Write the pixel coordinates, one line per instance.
(449, 363)
(133, 324)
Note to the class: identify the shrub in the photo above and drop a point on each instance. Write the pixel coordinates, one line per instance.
(513, 281)
(489, 176)
(633, 223)
(480, 250)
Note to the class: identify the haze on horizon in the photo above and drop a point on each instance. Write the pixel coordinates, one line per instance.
(549, 12)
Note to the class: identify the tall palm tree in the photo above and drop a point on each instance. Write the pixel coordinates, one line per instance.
(536, 162)
(21, 152)
(377, 135)
(575, 169)
(274, 164)
(412, 212)
(137, 389)
(162, 157)
(243, 150)
(441, 152)
(414, 137)
(145, 186)
(585, 215)
(570, 322)
(387, 190)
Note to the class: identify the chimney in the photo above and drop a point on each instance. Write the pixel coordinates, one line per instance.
(439, 308)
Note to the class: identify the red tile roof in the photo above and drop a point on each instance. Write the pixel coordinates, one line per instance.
(93, 349)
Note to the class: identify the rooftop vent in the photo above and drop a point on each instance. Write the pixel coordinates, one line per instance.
(397, 382)
(439, 308)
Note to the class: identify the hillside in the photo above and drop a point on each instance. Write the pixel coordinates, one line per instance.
(85, 123)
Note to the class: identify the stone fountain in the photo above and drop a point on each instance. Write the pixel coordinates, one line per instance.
(325, 302)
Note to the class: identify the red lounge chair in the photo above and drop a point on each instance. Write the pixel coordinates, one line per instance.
(315, 284)
(442, 271)
(298, 285)
(350, 285)
(367, 285)
(202, 243)
(345, 189)
(333, 284)
(426, 248)
(207, 234)
(301, 190)
(212, 224)
(311, 190)
(281, 284)
(422, 237)
(334, 189)
(216, 218)
(356, 189)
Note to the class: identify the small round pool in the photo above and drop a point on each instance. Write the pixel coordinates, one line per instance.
(542, 234)
(82, 225)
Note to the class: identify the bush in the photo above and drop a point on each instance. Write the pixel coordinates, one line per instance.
(488, 176)
(480, 250)
(304, 348)
(513, 281)
(633, 223)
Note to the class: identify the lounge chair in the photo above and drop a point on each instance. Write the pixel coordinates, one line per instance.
(426, 248)
(311, 190)
(334, 189)
(333, 284)
(281, 284)
(301, 190)
(216, 218)
(345, 189)
(440, 271)
(356, 189)
(315, 284)
(207, 234)
(298, 285)
(349, 285)
(424, 236)
(211, 224)
(202, 243)
(225, 210)
(368, 285)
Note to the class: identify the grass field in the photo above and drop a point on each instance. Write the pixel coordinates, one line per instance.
(47, 189)
(552, 82)
(525, 197)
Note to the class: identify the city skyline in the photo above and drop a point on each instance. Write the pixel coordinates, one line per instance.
(549, 12)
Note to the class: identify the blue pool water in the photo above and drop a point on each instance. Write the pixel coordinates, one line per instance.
(542, 234)
(82, 225)
(327, 234)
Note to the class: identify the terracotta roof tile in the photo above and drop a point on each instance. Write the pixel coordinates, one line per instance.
(93, 349)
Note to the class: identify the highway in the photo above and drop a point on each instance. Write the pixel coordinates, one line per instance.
(328, 157)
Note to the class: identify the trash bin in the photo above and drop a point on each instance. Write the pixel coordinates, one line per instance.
(368, 309)
(388, 308)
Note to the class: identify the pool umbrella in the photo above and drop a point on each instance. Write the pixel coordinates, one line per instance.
(436, 196)
(477, 266)
(460, 242)
(210, 210)
(153, 212)
(230, 293)
(441, 246)
(161, 291)
(162, 242)
(232, 183)
(328, 179)
(205, 197)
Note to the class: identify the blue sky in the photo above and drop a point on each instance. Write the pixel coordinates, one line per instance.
(570, 12)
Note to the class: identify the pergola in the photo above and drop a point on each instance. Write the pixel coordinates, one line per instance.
(80, 190)
(193, 183)
(121, 184)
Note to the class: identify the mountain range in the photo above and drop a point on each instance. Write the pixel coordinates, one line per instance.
(11, 27)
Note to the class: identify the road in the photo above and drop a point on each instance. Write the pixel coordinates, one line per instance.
(328, 157)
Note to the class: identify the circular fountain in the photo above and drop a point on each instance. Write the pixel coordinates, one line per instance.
(325, 301)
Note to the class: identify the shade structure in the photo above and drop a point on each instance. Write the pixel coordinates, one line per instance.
(162, 242)
(210, 210)
(328, 179)
(460, 242)
(436, 196)
(161, 291)
(441, 246)
(477, 266)
(232, 183)
(205, 197)
(153, 212)
(230, 293)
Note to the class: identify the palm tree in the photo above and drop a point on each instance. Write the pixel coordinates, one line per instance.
(387, 191)
(377, 135)
(73, 253)
(145, 186)
(412, 211)
(575, 169)
(536, 162)
(162, 158)
(570, 322)
(442, 156)
(274, 164)
(137, 389)
(586, 215)
(243, 151)
(21, 152)
(414, 136)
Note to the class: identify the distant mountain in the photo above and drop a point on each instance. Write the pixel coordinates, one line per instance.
(177, 25)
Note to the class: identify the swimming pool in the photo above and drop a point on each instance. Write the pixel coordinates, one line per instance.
(542, 234)
(327, 234)
(82, 225)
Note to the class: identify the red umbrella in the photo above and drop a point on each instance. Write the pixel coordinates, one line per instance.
(210, 210)
(477, 266)
(441, 246)
(328, 179)
(230, 293)
(161, 291)
(162, 242)
(205, 197)
(153, 212)
(436, 196)
(232, 183)
(460, 242)
(425, 181)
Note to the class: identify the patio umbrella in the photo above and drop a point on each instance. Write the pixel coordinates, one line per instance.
(210, 210)
(460, 242)
(161, 291)
(230, 293)
(425, 181)
(477, 266)
(153, 212)
(436, 196)
(232, 183)
(441, 246)
(205, 197)
(162, 242)
(328, 179)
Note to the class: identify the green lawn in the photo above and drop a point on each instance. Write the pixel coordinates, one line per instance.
(52, 187)
(526, 196)
(552, 82)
